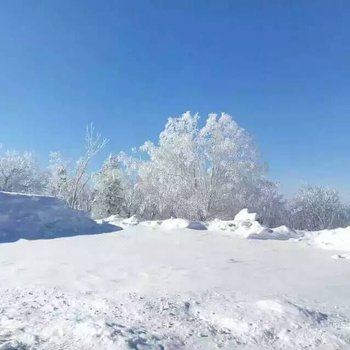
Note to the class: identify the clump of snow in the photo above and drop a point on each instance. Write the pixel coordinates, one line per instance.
(120, 221)
(168, 224)
(222, 225)
(244, 224)
(247, 225)
(38, 217)
(244, 215)
(282, 233)
(132, 221)
(336, 239)
(153, 224)
(175, 223)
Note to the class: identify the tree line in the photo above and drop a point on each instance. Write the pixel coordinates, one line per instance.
(193, 172)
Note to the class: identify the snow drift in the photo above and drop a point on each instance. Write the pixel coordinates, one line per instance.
(37, 217)
(168, 224)
(247, 225)
(336, 239)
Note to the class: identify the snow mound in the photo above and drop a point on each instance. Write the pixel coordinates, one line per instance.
(282, 233)
(175, 223)
(169, 224)
(119, 221)
(336, 239)
(152, 224)
(244, 215)
(132, 221)
(246, 225)
(38, 217)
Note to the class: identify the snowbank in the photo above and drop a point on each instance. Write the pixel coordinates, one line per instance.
(336, 239)
(37, 217)
(119, 221)
(246, 225)
(282, 233)
(174, 223)
(168, 224)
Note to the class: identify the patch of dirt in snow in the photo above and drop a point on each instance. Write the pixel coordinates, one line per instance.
(51, 319)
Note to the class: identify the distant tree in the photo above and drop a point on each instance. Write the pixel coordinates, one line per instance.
(20, 172)
(108, 193)
(265, 199)
(317, 208)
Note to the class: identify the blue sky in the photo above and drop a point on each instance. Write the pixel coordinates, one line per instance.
(281, 68)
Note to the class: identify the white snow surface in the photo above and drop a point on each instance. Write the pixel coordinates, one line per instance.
(166, 285)
(171, 289)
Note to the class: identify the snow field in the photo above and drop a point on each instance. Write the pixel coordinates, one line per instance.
(171, 284)
(176, 289)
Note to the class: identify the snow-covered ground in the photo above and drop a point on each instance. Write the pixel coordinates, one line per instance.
(171, 289)
(162, 285)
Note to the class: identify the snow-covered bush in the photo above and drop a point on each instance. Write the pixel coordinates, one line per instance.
(20, 172)
(317, 208)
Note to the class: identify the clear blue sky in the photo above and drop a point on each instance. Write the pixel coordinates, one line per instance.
(281, 68)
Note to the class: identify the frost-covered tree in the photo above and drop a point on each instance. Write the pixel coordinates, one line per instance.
(264, 199)
(198, 173)
(231, 164)
(60, 180)
(20, 172)
(94, 143)
(133, 201)
(317, 208)
(71, 181)
(108, 194)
